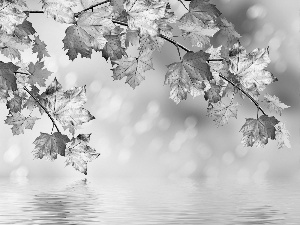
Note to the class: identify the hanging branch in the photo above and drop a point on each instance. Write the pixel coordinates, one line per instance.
(40, 104)
(249, 96)
(209, 60)
(175, 43)
(51, 118)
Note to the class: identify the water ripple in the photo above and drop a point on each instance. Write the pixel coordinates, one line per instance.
(148, 201)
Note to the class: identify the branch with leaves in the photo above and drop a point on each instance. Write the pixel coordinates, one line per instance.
(110, 27)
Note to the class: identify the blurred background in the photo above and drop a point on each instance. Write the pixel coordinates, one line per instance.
(143, 133)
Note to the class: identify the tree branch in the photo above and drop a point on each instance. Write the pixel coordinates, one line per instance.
(91, 7)
(175, 43)
(43, 107)
(159, 35)
(209, 60)
(183, 5)
(249, 96)
(75, 14)
(51, 118)
(33, 11)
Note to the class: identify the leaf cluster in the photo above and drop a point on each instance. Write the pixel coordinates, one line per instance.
(111, 27)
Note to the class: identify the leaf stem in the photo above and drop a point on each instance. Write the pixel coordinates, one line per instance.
(249, 96)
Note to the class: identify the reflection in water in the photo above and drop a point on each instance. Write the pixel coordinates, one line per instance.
(261, 215)
(148, 201)
(73, 204)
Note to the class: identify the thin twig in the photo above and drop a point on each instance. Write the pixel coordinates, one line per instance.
(26, 89)
(211, 60)
(91, 7)
(249, 96)
(33, 11)
(51, 118)
(183, 5)
(159, 35)
(174, 42)
(5, 6)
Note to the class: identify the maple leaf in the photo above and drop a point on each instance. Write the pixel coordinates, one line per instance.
(133, 68)
(250, 68)
(24, 29)
(77, 41)
(60, 10)
(18, 41)
(49, 145)
(31, 103)
(199, 36)
(66, 106)
(151, 42)
(231, 36)
(10, 53)
(227, 29)
(257, 131)
(163, 23)
(40, 47)
(10, 45)
(200, 12)
(38, 74)
(213, 94)
(274, 104)
(88, 33)
(97, 24)
(254, 133)
(78, 153)
(222, 112)
(11, 15)
(15, 103)
(253, 92)
(282, 135)
(3, 91)
(188, 75)
(113, 48)
(269, 123)
(142, 15)
(118, 9)
(20, 122)
(7, 71)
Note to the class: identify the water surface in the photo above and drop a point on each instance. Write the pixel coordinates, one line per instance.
(148, 201)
